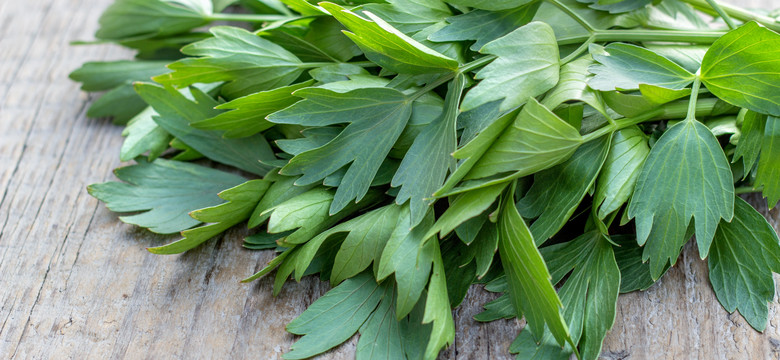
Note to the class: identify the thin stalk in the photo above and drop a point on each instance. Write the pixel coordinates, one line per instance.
(747, 190)
(738, 13)
(255, 18)
(576, 53)
(691, 115)
(311, 65)
(573, 15)
(723, 15)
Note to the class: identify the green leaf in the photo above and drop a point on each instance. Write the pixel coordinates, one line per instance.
(107, 75)
(388, 47)
(634, 273)
(362, 248)
(428, 160)
(616, 6)
(701, 188)
(120, 102)
(437, 309)
(372, 223)
(240, 199)
(624, 67)
(335, 317)
(589, 297)
(490, 4)
(406, 256)
(247, 115)
(132, 19)
(410, 16)
(743, 68)
(381, 336)
(744, 255)
(143, 134)
(573, 86)
(558, 191)
(621, 169)
(768, 173)
(464, 207)
(485, 26)
(246, 61)
(377, 116)
(538, 139)
(530, 289)
(176, 112)
(322, 40)
(527, 65)
(749, 145)
(165, 191)
(281, 190)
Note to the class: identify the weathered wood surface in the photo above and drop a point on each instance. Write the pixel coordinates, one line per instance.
(77, 283)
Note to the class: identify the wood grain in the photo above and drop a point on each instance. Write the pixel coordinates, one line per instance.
(77, 283)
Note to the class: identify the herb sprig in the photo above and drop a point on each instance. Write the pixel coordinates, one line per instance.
(406, 149)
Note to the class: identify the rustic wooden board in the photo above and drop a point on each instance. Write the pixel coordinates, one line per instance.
(77, 283)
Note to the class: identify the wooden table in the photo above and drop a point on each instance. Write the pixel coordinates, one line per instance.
(75, 282)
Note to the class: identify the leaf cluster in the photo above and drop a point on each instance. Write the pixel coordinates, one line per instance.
(557, 151)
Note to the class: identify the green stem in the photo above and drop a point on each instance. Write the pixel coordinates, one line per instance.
(311, 65)
(573, 14)
(674, 110)
(691, 115)
(747, 190)
(723, 15)
(576, 53)
(738, 13)
(255, 18)
(476, 64)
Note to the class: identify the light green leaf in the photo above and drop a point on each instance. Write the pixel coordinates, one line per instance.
(768, 173)
(621, 169)
(240, 199)
(406, 256)
(132, 19)
(377, 116)
(249, 63)
(410, 16)
(176, 112)
(143, 134)
(744, 255)
(749, 145)
(372, 223)
(281, 190)
(558, 191)
(382, 336)
(322, 41)
(573, 85)
(166, 191)
(537, 140)
(335, 317)
(490, 4)
(388, 47)
(743, 68)
(464, 207)
(363, 247)
(701, 187)
(527, 66)
(437, 308)
(624, 67)
(120, 102)
(247, 115)
(530, 289)
(589, 297)
(428, 160)
(485, 26)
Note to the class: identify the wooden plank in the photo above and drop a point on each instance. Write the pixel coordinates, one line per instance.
(78, 283)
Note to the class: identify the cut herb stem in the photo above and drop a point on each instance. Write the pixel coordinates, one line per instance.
(737, 13)
(254, 18)
(747, 190)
